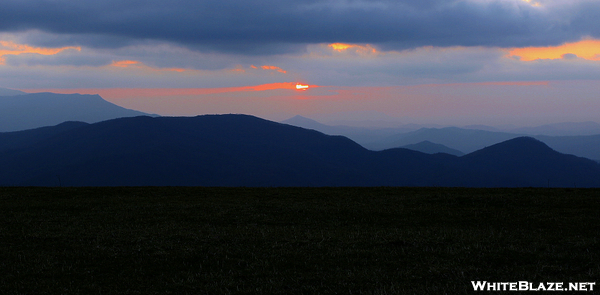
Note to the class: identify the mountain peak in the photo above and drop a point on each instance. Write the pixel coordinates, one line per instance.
(515, 149)
(523, 143)
(28, 111)
(10, 92)
(529, 158)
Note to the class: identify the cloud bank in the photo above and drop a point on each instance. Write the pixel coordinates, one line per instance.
(284, 26)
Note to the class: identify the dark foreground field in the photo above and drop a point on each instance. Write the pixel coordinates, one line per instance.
(293, 240)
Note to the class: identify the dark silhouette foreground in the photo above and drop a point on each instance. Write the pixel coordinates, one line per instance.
(241, 150)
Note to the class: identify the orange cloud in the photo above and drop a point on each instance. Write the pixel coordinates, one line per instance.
(11, 48)
(118, 93)
(267, 67)
(137, 64)
(360, 49)
(124, 63)
(588, 49)
(273, 68)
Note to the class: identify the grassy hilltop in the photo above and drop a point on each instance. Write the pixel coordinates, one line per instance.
(293, 240)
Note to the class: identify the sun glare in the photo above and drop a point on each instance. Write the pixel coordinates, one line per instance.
(301, 87)
(360, 49)
(339, 46)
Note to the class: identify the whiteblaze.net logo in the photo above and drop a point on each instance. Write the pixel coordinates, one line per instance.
(529, 286)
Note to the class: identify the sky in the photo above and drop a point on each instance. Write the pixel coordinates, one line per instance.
(492, 62)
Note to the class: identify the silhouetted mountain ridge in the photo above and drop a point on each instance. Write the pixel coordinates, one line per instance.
(16, 139)
(526, 157)
(241, 150)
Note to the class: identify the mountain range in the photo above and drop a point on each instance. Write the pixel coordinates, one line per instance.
(429, 147)
(464, 140)
(22, 111)
(242, 150)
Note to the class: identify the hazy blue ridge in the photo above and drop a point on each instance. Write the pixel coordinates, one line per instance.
(28, 111)
(10, 92)
(465, 140)
(429, 147)
(587, 146)
(362, 135)
(241, 150)
(561, 129)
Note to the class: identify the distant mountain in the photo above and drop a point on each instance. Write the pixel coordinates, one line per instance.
(307, 123)
(10, 92)
(27, 111)
(555, 129)
(363, 119)
(429, 147)
(460, 139)
(360, 135)
(482, 127)
(468, 140)
(587, 146)
(464, 140)
(561, 129)
(240, 150)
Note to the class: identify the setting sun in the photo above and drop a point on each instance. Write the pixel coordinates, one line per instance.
(301, 87)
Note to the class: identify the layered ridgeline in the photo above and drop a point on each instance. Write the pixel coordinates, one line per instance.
(21, 111)
(584, 140)
(429, 147)
(241, 150)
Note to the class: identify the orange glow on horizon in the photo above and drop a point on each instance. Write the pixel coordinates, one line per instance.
(11, 48)
(430, 100)
(117, 93)
(587, 49)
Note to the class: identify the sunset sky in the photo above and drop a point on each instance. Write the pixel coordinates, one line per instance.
(493, 62)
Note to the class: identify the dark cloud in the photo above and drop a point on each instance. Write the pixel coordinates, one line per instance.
(283, 26)
(61, 59)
